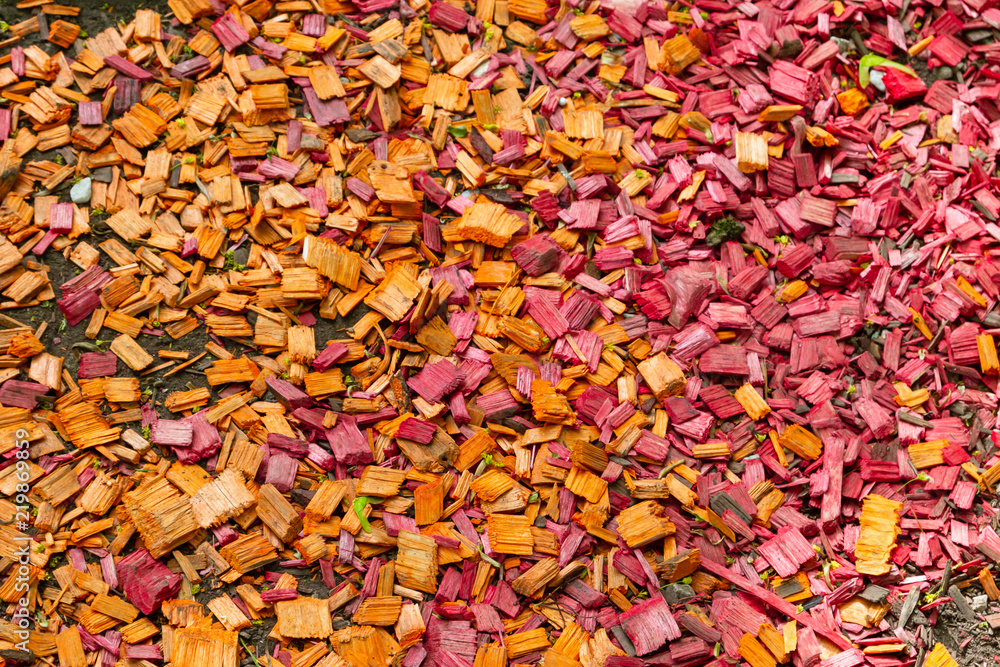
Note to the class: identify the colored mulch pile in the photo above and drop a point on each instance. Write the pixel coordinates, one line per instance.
(578, 334)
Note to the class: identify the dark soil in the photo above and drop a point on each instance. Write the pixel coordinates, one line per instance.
(953, 630)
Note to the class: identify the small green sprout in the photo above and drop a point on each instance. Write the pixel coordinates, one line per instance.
(359, 508)
(247, 648)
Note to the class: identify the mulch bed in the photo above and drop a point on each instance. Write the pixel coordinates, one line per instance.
(672, 343)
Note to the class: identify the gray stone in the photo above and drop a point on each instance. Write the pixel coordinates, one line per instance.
(980, 603)
(311, 142)
(875, 76)
(80, 192)
(677, 593)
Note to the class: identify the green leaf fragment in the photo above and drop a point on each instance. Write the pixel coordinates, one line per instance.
(874, 60)
(359, 508)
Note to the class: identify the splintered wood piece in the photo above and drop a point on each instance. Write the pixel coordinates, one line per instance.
(196, 646)
(379, 611)
(536, 578)
(248, 552)
(488, 223)
(410, 627)
(664, 377)
(230, 615)
(801, 442)
(126, 349)
(381, 71)
(510, 534)
(939, 657)
(879, 530)
(163, 516)
(988, 583)
(710, 450)
(333, 261)
(862, 612)
(756, 407)
(101, 494)
(304, 618)
(394, 296)
(448, 92)
(312, 547)
(416, 562)
(391, 182)
(301, 344)
(327, 499)
(928, 454)
(221, 499)
(114, 607)
(69, 646)
(326, 82)
(436, 337)
(491, 484)
(589, 27)
(586, 484)
(779, 112)
(678, 54)
(129, 225)
(680, 566)
(278, 514)
(754, 652)
(643, 523)
(428, 502)
(751, 152)
(529, 641)
(375, 481)
(549, 405)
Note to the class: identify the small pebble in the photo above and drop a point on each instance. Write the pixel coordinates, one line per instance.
(80, 192)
